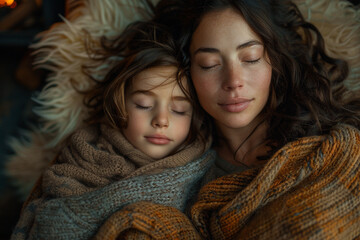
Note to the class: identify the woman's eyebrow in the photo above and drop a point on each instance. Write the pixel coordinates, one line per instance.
(248, 44)
(206, 50)
(215, 50)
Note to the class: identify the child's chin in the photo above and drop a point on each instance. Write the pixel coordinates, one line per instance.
(158, 156)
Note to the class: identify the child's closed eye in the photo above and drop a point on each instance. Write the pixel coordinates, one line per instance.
(179, 112)
(142, 107)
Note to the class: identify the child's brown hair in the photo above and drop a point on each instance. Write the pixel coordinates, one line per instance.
(141, 46)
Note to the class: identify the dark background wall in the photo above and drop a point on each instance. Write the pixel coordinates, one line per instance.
(18, 82)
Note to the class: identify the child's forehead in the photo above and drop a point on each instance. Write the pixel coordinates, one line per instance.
(162, 76)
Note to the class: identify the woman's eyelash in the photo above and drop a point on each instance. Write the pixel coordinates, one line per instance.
(207, 67)
(253, 61)
(249, 61)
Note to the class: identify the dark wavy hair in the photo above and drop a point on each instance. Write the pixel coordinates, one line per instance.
(307, 95)
(142, 45)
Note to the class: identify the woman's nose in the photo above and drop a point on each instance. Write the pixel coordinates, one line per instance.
(233, 77)
(160, 119)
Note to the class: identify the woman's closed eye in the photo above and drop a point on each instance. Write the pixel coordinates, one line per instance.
(207, 61)
(207, 67)
(252, 61)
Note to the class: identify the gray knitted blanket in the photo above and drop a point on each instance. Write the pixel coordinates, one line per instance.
(88, 183)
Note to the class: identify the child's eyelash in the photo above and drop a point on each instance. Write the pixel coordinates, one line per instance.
(142, 107)
(149, 107)
(180, 113)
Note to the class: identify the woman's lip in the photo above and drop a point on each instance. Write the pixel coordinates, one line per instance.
(235, 100)
(158, 139)
(235, 106)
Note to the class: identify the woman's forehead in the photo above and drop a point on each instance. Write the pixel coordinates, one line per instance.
(221, 28)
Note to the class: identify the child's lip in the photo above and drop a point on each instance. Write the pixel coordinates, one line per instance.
(158, 139)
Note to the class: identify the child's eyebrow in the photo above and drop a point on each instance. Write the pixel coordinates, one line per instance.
(145, 92)
(150, 93)
(180, 98)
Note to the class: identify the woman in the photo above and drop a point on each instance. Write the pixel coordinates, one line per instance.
(277, 102)
(272, 49)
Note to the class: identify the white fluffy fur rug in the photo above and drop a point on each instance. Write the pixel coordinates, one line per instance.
(61, 50)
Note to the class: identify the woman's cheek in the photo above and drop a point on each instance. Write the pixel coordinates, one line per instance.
(204, 80)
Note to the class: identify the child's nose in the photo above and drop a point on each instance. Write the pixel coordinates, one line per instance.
(160, 119)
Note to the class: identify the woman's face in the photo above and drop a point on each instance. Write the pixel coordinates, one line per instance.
(230, 70)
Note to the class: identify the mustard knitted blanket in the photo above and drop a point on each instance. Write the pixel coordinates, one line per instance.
(98, 174)
(310, 189)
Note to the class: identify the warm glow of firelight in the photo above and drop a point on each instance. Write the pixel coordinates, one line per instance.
(9, 3)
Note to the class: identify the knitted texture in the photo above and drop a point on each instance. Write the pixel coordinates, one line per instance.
(98, 156)
(90, 181)
(310, 189)
(146, 220)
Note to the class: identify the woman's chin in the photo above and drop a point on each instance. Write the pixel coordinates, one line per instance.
(233, 122)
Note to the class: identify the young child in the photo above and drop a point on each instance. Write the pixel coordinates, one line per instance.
(144, 142)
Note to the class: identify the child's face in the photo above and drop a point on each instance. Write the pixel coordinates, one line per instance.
(159, 114)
